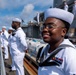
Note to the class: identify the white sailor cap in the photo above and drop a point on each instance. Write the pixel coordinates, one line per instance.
(17, 20)
(4, 27)
(60, 14)
(10, 28)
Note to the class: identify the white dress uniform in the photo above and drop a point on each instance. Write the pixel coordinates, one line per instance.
(5, 36)
(74, 10)
(66, 7)
(1, 39)
(67, 56)
(13, 64)
(18, 46)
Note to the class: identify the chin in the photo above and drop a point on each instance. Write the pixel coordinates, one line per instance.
(46, 40)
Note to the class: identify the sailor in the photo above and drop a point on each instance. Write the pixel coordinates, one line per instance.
(18, 45)
(10, 31)
(58, 57)
(66, 6)
(1, 37)
(74, 9)
(5, 36)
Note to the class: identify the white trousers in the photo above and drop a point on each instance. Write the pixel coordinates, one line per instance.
(18, 60)
(13, 64)
(6, 55)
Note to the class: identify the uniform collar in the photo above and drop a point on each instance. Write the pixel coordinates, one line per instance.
(66, 42)
(18, 28)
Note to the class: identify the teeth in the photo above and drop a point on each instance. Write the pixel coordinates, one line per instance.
(46, 35)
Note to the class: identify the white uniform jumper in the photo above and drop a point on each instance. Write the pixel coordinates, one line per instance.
(5, 36)
(18, 46)
(66, 59)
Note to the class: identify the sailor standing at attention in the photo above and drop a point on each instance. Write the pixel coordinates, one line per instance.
(10, 31)
(18, 46)
(59, 56)
(1, 37)
(5, 36)
(66, 6)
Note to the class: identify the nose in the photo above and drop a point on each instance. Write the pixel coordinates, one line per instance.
(46, 29)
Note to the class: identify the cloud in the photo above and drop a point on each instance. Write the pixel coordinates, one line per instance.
(5, 4)
(43, 3)
(27, 10)
(6, 21)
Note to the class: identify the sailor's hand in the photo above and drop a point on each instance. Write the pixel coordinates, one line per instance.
(3, 48)
(26, 51)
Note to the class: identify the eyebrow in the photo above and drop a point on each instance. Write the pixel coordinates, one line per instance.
(48, 23)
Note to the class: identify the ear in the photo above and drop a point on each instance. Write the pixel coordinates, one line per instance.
(64, 31)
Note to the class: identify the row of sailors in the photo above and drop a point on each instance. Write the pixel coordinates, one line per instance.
(16, 41)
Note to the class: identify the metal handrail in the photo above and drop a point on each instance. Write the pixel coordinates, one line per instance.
(2, 67)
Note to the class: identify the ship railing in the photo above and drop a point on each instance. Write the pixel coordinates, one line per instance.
(2, 67)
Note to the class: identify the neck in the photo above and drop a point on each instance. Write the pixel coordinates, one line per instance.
(17, 28)
(53, 46)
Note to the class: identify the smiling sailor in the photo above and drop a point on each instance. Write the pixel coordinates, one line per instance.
(59, 56)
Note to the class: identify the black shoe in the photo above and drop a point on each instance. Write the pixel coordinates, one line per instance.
(10, 70)
(10, 67)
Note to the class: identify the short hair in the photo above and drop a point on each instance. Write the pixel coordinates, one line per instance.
(67, 25)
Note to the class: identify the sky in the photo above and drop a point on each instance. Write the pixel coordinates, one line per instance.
(24, 9)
